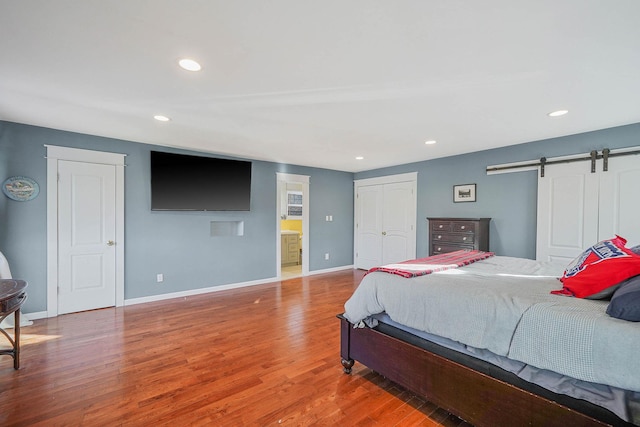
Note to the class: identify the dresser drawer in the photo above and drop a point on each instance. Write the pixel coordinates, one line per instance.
(442, 226)
(290, 239)
(445, 248)
(463, 227)
(293, 256)
(454, 237)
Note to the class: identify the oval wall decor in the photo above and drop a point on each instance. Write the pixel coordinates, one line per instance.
(20, 188)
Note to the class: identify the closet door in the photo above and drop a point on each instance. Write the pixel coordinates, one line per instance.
(619, 205)
(399, 218)
(567, 211)
(369, 226)
(385, 217)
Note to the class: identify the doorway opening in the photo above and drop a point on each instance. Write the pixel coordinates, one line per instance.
(292, 219)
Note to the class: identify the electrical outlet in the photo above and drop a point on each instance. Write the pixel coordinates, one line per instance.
(326, 256)
(159, 277)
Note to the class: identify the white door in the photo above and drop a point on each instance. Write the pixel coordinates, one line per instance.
(369, 226)
(399, 218)
(86, 236)
(385, 224)
(620, 199)
(578, 208)
(567, 211)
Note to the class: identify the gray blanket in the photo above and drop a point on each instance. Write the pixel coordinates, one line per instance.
(503, 304)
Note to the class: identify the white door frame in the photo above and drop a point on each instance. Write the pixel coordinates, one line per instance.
(55, 153)
(304, 181)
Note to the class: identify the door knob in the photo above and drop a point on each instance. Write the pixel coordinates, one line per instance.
(384, 233)
(111, 243)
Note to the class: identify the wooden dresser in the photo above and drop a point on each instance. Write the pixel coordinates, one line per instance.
(453, 234)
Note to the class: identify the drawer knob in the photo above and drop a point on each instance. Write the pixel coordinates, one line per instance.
(462, 228)
(464, 238)
(439, 249)
(439, 236)
(440, 226)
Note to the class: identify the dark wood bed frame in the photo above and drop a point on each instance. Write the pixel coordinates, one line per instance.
(478, 392)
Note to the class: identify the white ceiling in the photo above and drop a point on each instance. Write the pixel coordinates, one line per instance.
(318, 83)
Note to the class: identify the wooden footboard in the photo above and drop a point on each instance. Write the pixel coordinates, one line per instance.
(471, 395)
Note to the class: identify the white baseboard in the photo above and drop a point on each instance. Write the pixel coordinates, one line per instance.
(331, 270)
(190, 292)
(199, 291)
(25, 319)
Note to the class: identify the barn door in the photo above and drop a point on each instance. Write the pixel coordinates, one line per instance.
(567, 211)
(577, 207)
(619, 197)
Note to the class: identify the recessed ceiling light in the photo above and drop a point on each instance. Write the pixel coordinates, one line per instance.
(558, 113)
(189, 64)
(430, 142)
(359, 158)
(161, 118)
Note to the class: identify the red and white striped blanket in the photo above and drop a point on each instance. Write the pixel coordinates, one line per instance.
(428, 265)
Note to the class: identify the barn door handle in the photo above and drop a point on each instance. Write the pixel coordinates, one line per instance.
(111, 243)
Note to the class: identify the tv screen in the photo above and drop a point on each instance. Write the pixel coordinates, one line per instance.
(192, 183)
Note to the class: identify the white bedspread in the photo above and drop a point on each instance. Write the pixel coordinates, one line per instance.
(503, 304)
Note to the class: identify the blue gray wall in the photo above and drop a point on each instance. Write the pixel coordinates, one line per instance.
(177, 244)
(509, 199)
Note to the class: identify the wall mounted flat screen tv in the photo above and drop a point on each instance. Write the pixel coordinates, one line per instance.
(192, 183)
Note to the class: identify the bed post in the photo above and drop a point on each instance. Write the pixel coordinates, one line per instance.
(345, 335)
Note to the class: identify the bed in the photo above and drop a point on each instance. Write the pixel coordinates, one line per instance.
(488, 342)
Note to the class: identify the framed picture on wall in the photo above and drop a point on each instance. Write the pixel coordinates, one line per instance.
(464, 193)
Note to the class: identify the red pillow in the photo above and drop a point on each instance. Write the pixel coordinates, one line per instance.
(602, 266)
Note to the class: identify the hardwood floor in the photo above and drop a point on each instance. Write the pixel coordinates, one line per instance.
(257, 356)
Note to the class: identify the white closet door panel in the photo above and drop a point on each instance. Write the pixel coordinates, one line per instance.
(567, 211)
(369, 227)
(620, 199)
(399, 213)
